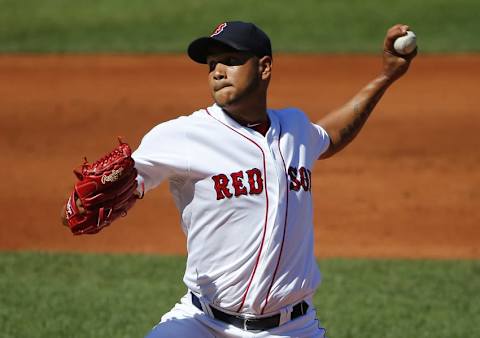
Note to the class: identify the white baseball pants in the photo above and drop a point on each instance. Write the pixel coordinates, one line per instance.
(185, 320)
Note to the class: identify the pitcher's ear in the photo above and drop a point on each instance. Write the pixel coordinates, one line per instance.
(265, 67)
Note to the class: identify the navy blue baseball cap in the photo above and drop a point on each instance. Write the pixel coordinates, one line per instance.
(236, 35)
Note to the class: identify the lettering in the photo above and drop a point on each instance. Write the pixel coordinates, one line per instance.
(300, 178)
(238, 184)
(221, 182)
(235, 184)
(255, 181)
(115, 175)
(69, 208)
(295, 184)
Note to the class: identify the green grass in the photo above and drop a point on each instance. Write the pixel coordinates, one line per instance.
(168, 26)
(54, 295)
(73, 295)
(394, 298)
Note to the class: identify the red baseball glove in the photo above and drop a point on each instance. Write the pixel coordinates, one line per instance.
(104, 191)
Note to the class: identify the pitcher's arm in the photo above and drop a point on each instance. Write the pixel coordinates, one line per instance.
(344, 123)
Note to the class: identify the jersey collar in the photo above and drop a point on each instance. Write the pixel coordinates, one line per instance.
(222, 116)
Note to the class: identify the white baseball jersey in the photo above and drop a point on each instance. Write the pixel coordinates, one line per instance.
(245, 203)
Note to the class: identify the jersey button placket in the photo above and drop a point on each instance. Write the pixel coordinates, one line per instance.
(275, 226)
(281, 212)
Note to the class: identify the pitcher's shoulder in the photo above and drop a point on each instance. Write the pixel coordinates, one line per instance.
(290, 115)
(183, 121)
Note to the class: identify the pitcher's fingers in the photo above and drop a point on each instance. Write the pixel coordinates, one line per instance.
(393, 33)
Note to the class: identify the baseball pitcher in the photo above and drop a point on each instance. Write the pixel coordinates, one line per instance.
(241, 177)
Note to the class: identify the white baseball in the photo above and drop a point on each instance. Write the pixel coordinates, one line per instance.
(405, 44)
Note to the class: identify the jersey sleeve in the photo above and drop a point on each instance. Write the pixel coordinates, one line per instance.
(320, 139)
(295, 122)
(163, 153)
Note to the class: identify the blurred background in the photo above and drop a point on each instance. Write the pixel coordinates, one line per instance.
(396, 214)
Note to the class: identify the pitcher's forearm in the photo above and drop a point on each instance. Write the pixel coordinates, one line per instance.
(344, 123)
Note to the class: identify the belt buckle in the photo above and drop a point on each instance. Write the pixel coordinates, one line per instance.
(246, 322)
(249, 324)
(248, 328)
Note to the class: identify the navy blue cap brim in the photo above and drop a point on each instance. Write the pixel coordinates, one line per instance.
(200, 48)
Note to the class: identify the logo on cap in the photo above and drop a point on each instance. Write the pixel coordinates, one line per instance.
(219, 29)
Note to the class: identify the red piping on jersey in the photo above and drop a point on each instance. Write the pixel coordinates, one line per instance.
(284, 225)
(266, 211)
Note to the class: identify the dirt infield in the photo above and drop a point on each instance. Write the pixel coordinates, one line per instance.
(409, 186)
